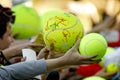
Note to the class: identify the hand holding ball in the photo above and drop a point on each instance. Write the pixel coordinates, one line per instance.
(92, 44)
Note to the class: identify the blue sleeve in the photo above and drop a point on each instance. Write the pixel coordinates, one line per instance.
(23, 70)
(116, 76)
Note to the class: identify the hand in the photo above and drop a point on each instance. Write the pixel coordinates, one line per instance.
(35, 47)
(103, 73)
(48, 53)
(73, 57)
(16, 50)
(23, 59)
(43, 53)
(106, 24)
(15, 59)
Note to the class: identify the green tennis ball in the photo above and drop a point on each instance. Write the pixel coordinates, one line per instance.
(94, 78)
(27, 22)
(112, 68)
(62, 29)
(92, 44)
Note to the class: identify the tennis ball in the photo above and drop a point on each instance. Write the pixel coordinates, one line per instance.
(47, 15)
(27, 22)
(92, 44)
(112, 68)
(62, 29)
(94, 78)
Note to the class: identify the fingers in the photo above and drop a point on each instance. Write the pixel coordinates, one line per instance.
(76, 44)
(23, 59)
(36, 47)
(44, 50)
(90, 61)
(43, 53)
(51, 47)
(89, 57)
(51, 52)
(47, 53)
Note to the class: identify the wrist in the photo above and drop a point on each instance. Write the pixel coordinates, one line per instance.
(55, 63)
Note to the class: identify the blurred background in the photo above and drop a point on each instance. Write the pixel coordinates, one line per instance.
(90, 12)
(101, 16)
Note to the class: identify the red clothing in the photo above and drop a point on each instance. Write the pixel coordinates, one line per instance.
(88, 70)
(116, 43)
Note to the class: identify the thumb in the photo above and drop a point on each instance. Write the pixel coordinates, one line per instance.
(51, 52)
(76, 44)
(23, 59)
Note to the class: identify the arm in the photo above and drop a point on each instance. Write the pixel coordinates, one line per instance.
(71, 57)
(23, 70)
(107, 23)
(29, 69)
(16, 50)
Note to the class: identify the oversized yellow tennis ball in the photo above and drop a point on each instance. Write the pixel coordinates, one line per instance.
(112, 68)
(62, 29)
(92, 44)
(94, 78)
(46, 16)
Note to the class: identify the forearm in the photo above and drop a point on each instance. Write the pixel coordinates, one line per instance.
(55, 63)
(11, 52)
(23, 70)
(109, 22)
(15, 50)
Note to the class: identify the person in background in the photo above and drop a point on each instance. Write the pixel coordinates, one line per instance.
(7, 18)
